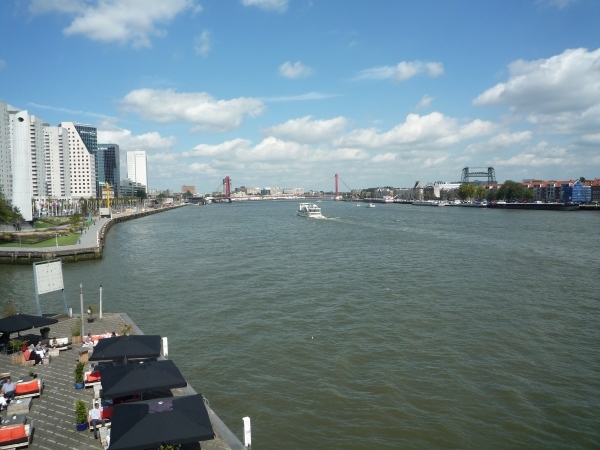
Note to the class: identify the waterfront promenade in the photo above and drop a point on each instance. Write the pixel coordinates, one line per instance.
(89, 246)
(53, 413)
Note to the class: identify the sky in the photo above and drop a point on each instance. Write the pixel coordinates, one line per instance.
(286, 93)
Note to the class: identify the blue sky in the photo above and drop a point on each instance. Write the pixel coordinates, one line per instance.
(288, 92)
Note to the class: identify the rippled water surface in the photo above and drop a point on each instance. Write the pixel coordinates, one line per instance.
(390, 327)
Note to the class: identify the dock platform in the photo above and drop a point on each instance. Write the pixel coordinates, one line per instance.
(53, 412)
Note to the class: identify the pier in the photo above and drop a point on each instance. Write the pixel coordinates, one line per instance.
(53, 413)
(90, 245)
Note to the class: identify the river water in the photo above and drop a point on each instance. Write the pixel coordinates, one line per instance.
(387, 327)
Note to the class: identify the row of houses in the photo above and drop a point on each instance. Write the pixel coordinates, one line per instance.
(578, 191)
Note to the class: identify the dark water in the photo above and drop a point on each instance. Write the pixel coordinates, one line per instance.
(391, 327)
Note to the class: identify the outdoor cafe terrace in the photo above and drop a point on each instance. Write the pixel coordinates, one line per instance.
(53, 413)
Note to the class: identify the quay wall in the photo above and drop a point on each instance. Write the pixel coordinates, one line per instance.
(71, 253)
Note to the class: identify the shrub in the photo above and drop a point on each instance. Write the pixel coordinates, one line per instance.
(79, 373)
(81, 412)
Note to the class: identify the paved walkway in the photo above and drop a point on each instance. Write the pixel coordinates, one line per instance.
(53, 412)
(87, 240)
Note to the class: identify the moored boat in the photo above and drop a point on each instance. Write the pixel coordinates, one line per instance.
(535, 206)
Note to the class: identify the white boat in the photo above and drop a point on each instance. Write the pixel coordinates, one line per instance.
(371, 205)
(309, 210)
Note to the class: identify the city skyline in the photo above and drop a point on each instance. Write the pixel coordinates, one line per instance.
(382, 93)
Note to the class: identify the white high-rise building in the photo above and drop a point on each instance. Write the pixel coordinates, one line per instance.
(56, 143)
(82, 163)
(137, 168)
(5, 152)
(28, 162)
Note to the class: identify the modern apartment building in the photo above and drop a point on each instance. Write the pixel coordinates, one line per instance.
(82, 159)
(5, 152)
(108, 166)
(137, 167)
(56, 145)
(28, 161)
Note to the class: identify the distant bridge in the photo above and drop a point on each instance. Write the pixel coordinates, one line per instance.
(469, 173)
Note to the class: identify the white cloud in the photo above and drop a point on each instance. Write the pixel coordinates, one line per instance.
(70, 111)
(500, 141)
(202, 43)
(299, 98)
(152, 141)
(425, 102)
(2, 64)
(426, 132)
(560, 94)
(307, 130)
(296, 70)
(382, 158)
(269, 5)
(273, 150)
(402, 71)
(133, 21)
(540, 155)
(199, 108)
(560, 4)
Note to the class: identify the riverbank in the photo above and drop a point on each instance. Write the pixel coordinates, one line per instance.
(89, 246)
(53, 412)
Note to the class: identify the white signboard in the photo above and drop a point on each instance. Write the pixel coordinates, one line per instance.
(48, 276)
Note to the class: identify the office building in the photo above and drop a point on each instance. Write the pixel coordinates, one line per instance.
(108, 165)
(129, 188)
(82, 159)
(190, 189)
(56, 149)
(137, 169)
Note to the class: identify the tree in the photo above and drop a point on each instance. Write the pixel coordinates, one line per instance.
(480, 192)
(467, 190)
(582, 179)
(511, 190)
(8, 212)
(75, 220)
(187, 194)
(84, 207)
(141, 194)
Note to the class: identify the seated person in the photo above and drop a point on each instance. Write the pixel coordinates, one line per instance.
(9, 389)
(96, 418)
(39, 349)
(34, 356)
(53, 343)
(113, 334)
(3, 403)
(88, 341)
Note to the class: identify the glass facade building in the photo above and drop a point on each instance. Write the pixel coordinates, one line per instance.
(89, 136)
(577, 193)
(108, 165)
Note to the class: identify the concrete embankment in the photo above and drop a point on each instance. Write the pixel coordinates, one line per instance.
(90, 246)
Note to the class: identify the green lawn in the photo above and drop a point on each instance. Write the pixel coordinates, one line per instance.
(69, 239)
(51, 222)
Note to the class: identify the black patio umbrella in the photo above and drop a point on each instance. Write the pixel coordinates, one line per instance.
(152, 423)
(21, 322)
(130, 347)
(137, 378)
